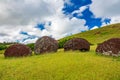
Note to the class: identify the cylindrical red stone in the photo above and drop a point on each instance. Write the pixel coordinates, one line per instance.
(45, 44)
(77, 44)
(17, 50)
(109, 47)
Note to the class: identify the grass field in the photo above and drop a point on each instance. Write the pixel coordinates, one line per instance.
(71, 65)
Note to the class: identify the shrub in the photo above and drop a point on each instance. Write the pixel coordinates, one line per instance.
(63, 41)
(3, 47)
(31, 45)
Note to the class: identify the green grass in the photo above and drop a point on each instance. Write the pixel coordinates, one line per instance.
(98, 35)
(71, 65)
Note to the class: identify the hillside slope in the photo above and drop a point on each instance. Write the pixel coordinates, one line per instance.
(70, 65)
(98, 35)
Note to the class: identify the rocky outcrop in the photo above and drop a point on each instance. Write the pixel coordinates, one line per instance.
(110, 47)
(45, 44)
(77, 44)
(17, 50)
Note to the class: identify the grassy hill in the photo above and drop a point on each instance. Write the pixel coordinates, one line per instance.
(71, 65)
(98, 35)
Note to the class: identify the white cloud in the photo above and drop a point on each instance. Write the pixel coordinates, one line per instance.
(23, 12)
(30, 40)
(115, 19)
(106, 9)
(23, 15)
(81, 9)
(62, 26)
(95, 27)
(68, 2)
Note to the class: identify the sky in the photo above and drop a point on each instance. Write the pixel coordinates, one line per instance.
(25, 21)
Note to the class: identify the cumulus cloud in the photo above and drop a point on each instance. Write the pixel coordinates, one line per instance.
(24, 15)
(115, 19)
(62, 26)
(23, 12)
(79, 12)
(106, 9)
(18, 16)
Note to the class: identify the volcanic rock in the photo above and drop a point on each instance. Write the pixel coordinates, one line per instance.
(77, 44)
(45, 44)
(17, 50)
(110, 47)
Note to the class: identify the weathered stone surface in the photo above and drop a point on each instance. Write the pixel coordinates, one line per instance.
(17, 50)
(45, 44)
(77, 44)
(110, 47)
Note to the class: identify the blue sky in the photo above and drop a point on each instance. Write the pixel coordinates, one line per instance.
(27, 20)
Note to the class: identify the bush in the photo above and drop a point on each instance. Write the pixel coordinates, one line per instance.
(3, 47)
(31, 45)
(63, 41)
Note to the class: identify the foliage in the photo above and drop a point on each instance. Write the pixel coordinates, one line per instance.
(8, 43)
(61, 42)
(31, 45)
(3, 47)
